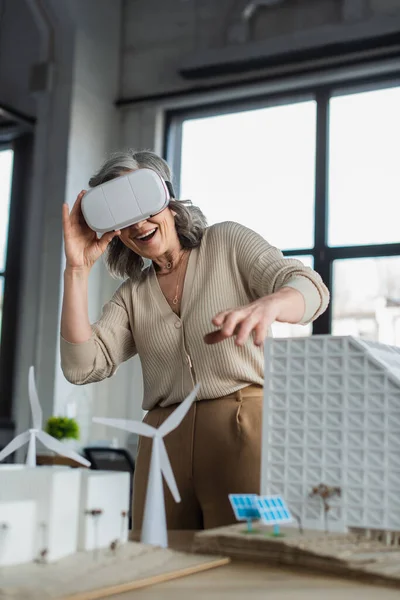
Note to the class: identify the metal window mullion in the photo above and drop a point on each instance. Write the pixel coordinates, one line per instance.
(173, 150)
(301, 252)
(363, 251)
(322, 263)
(22, 170)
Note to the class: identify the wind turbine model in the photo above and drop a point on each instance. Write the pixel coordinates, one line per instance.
(154, 529)
(36, 432)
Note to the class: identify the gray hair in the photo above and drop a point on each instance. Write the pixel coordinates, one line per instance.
(190, 222)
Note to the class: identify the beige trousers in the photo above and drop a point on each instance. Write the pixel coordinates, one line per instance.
(215, 451)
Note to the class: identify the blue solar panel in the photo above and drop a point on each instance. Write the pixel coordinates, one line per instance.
(244, 506)
(273, 510)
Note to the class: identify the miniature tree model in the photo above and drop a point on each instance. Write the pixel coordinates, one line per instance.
(3, 533)
(124, 516)
(297, 517)
(325, 492)
(43, 549)
(95, 513)
(62, 428)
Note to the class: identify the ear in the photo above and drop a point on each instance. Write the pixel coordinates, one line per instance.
(173, 213)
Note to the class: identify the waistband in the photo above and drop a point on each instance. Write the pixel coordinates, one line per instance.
(249, 391)
(245, 392)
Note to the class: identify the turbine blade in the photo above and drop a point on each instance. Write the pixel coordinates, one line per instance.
(177, 416)
(37, 415)
(17, 442)
(132, 426)
(168, 472)
(59, 448)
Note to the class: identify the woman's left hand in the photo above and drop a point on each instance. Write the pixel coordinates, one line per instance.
(286, 305)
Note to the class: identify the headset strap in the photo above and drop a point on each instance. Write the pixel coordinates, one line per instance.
(170, 189)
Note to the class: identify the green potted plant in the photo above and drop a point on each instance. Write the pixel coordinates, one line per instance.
(62, 428)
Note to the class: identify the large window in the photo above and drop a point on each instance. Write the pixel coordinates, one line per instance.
(318, 176)
(366, 298)
(364, 173)
(256, 167)
(6, 165)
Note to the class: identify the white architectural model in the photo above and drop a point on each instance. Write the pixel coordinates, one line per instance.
(332, 416)
(154, 529)
(55, 492)
(17, 522)
(104, 509)
(58, 511)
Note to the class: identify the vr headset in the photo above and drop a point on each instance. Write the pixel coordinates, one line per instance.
(126, 200)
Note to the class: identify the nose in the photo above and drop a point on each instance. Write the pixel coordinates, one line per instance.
(139, 225)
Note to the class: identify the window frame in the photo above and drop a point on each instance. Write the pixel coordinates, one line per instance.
(323, 254)
(5, 338)
(17, 134)
(4, 146)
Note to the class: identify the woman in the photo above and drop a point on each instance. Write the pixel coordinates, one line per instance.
(200, 312)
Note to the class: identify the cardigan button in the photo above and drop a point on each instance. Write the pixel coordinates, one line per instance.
(178, 324)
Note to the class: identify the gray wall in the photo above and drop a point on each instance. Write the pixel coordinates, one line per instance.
(77, 127)
(19, 49)
(159, 36)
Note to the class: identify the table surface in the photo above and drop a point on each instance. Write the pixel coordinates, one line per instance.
(254, 581)
(251, 581)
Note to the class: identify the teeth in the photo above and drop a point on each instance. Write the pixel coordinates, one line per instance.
(140, 237)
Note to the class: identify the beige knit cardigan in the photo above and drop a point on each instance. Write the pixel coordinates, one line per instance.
(232, 267)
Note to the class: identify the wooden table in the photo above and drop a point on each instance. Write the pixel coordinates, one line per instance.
(250, 581)
(254, 581)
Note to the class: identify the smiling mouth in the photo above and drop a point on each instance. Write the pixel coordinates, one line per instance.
(146, 237)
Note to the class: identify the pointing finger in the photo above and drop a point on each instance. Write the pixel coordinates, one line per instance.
(245, 329)
(261, 332)
(219, 319)
(231, 322)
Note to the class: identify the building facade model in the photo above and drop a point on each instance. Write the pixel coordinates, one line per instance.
(332, 417)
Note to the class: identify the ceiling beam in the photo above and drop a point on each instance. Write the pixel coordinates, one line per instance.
(303, 45)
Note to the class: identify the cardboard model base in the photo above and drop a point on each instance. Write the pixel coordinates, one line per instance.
(91, 575)
(346, 555)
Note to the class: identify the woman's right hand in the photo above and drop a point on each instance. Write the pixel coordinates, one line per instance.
(82, 246)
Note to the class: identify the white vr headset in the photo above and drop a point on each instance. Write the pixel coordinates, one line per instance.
(126, 200)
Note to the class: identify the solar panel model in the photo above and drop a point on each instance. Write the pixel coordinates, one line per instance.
(245, 508)
(273, 511)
